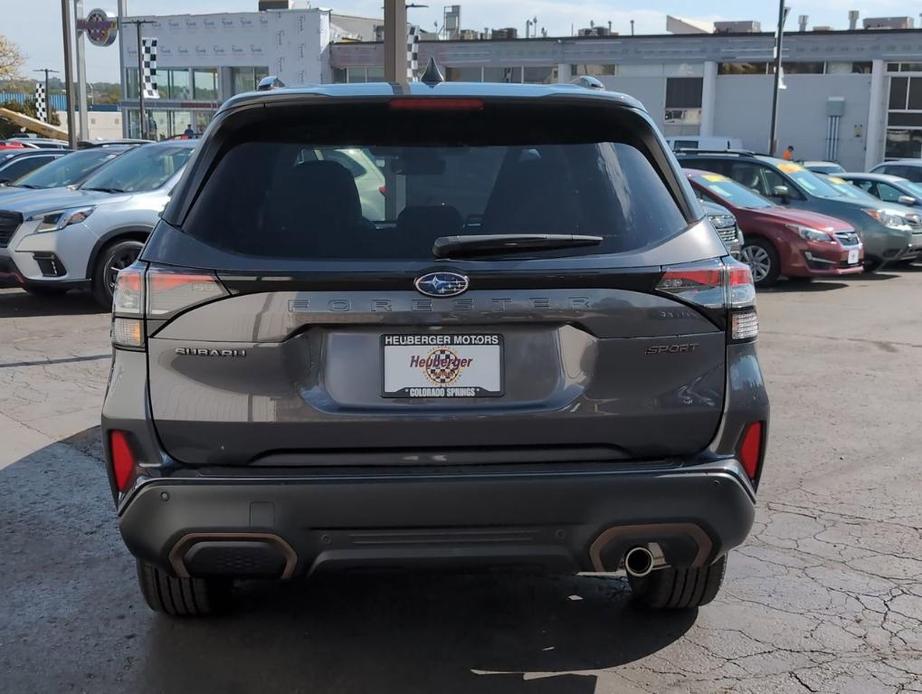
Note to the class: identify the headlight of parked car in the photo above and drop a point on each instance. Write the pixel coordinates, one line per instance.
(55, 221)
(809, 234)
(722, 221)
(889, 219)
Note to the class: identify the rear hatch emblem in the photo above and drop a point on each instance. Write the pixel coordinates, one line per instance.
(442, 284)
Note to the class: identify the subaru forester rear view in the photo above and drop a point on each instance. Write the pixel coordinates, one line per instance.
(533, 349)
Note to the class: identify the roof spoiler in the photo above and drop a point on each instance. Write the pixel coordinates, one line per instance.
(269, 83)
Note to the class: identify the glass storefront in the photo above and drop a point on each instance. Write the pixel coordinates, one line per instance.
(904, 117)
(205, 84)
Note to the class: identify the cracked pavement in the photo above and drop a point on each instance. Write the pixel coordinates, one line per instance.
(826, 596)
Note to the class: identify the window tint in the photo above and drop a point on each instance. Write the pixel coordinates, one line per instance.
(888, 193)
(289, 205)
(68, 170)
(22, 166)
(731, 192)
(142, 169)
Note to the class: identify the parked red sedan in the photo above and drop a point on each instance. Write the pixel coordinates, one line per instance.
(781, 240)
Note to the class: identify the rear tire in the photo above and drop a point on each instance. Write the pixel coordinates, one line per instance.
(762, 258)
(182, 597)
(679, 589)
(114, 257)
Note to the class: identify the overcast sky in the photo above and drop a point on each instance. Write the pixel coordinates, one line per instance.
(35, 25)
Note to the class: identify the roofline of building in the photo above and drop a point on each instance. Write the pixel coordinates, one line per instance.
(626, 37)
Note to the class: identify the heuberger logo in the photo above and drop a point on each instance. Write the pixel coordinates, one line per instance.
(442, 366)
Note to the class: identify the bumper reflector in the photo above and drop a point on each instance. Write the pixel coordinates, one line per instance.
(127, 332)
(750, 451)
(122, 459)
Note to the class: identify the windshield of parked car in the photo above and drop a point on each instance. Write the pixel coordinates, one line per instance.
(728, 190)
(66, 171)
(912, 188)
(145, 168)
(408, 179)
(810, 182)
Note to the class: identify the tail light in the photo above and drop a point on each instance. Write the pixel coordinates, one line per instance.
(750, 449)
(156, 293)
(123, 460)
(720, 287)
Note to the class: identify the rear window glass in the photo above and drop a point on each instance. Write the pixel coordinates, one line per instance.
(389, 185)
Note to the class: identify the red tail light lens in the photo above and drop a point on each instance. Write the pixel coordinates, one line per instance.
(435, 104)
(702, 284)
(171, 291)
(123, 460)
(750, 450)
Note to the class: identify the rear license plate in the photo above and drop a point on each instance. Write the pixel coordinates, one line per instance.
(853, 257)
(442, 366)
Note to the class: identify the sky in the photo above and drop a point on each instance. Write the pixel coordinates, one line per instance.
(35, 25)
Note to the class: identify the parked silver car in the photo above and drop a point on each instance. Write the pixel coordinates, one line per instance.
(60, 239)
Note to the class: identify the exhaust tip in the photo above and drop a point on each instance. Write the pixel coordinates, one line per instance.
(638, 562)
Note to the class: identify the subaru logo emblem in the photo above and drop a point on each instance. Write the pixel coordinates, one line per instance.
(442, 284)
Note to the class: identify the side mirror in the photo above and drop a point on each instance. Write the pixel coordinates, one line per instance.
(782, 192)
(907, 200)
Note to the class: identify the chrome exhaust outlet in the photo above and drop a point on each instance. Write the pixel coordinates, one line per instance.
(638, 562)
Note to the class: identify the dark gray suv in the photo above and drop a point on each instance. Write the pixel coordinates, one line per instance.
(535, 352)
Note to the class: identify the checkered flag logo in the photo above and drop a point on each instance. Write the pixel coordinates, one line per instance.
(41, 102)
(412, 53)
(149, 68)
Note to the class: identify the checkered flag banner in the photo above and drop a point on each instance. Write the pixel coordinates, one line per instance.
(149, 66)
(412, 53)
(41, 102)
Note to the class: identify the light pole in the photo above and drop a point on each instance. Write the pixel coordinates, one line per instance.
(68, 82)
(779, 42)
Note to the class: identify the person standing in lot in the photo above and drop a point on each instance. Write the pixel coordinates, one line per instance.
(189, 133)
(789, 153)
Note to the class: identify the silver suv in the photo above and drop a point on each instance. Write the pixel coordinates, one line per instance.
(61, 239)
(536, 352)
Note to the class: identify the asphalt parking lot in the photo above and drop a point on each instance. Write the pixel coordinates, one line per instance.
(825, 596)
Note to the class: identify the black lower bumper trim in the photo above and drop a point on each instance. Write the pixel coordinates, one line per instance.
(563, 522)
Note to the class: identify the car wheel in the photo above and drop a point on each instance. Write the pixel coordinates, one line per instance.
(762, 259)
(182, 597)
(679, 589)
(44, 292)
(111, 260)
(872, 264)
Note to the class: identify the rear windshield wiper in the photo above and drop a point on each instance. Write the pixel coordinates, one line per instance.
(498, 244)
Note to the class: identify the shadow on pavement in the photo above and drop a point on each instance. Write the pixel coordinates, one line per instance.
(787, 286)
(16, 303)
(69, 589)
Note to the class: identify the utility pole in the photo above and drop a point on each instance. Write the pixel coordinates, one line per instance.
(81, 73)
(68, 83)
(138, 23)
(47, 72)
(779, 44)
(395, 41)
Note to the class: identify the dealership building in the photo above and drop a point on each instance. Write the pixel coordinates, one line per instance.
(854, 96)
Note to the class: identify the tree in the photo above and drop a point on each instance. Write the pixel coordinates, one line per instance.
(10, 58)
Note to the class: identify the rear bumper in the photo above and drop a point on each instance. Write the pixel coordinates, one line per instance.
(570, 520)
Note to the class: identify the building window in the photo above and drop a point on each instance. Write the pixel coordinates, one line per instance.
(540, 75)
(176, 84)
(683, 100)
(847, 68)
(374, 74)
(742, 68)
(131, 83)
(504, 75)
(339, 75)
(246, 79)
(798, 68)
(903, 143)
(904, 67)
(899, 91)
(607, 69)
(463, 74)
(205, 84)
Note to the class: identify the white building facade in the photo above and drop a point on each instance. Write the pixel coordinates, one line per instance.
(851, 96)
